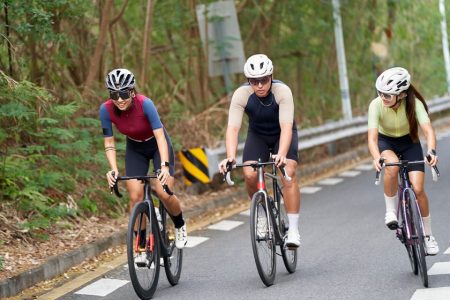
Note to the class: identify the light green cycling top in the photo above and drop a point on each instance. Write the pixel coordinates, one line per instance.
(394, 123)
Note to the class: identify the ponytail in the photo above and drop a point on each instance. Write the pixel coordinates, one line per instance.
(411, 94)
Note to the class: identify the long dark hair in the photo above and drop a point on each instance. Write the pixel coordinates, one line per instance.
(117, 111)
(411, 94)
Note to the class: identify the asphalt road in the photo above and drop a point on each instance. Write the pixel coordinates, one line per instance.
(346, 252)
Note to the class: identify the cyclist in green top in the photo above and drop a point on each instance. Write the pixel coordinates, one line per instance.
(394, 118)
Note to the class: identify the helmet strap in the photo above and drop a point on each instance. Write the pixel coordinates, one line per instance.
(397, 100)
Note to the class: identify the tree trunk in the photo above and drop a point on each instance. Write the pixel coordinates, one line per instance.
(94, 64)
(147, 40)
(7, 39)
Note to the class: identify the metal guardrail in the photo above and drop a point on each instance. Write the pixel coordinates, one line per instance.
(323, 134)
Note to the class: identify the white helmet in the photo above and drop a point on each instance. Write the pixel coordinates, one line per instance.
(393, 81)
(258, 65)
(119, 80)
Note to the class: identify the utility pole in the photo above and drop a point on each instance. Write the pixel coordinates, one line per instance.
(445, 42)
(342, 65)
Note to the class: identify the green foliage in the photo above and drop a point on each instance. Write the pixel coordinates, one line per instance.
(41, 155)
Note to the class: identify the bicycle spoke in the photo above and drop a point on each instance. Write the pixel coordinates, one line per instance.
(263, 240)
(142, 252)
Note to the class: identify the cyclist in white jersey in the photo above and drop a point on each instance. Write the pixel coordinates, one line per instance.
(269, 106)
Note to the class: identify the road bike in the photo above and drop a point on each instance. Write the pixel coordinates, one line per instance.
(268, 222)
(410, 229)
(150, 239)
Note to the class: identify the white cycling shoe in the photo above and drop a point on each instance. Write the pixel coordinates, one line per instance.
(431, 246)
(181, 237)
(140, 260)
(390, 219)
(261, 227)
(293, 239)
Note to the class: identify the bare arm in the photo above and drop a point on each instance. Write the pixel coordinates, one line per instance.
(372, 142)
(428, 131)
(231, 141)
(163, 149)
(285, 142)
(110, 151)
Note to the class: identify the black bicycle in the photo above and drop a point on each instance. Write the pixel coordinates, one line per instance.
(268, 222)
(410, 226)
(151, 236)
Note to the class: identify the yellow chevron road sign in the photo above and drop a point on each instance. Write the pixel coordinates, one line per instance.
(195, 165)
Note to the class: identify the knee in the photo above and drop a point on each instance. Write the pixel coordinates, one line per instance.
(390, 174)
(250, 177)
(135, 197)
(419, 191)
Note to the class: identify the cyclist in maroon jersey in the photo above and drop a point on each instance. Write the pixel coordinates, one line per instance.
(135, 116)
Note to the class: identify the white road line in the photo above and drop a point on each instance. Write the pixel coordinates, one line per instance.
(330, 181)
(350, 173)
(309, 189)
(440, 268)
(447, 251)
(245, 212)
(442, 293)
(195, 241)
(102, 287)
(225, 225)
(364, 167)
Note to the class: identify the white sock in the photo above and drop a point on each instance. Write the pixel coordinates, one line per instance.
(391, 203)
(427, 225)
(293, 221)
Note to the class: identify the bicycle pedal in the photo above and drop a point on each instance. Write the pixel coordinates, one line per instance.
(392, 225)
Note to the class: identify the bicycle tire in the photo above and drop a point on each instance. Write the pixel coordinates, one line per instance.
(263, 242)
(409, 244)
(419, 247)
(144, 278)
(174, 261)
(289, 255)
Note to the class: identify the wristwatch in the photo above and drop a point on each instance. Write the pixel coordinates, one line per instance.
(165, 164)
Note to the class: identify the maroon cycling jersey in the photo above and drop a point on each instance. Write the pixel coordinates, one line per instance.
(138, 122)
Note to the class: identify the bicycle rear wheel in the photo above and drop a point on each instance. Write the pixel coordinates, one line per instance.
(289, 255)
(143, 252)
(263, 240)
(418, 233)
(174, 260)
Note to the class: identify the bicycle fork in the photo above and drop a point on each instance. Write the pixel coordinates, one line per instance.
(261, 185)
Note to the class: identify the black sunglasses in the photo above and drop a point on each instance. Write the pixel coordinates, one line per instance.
(256, 81)
(124, 95)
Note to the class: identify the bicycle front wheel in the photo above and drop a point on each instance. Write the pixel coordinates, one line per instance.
(143, 252)
(409, 244)
(174, 259)
(263, 239)
(289, 255)
(418, 233)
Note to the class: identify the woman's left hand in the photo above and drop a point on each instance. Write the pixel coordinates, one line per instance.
(279, 160)
(433, 161)
(164, 175)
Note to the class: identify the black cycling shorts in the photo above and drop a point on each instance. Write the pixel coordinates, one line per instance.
(139, 154)
(403, 146)
(259, 146)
